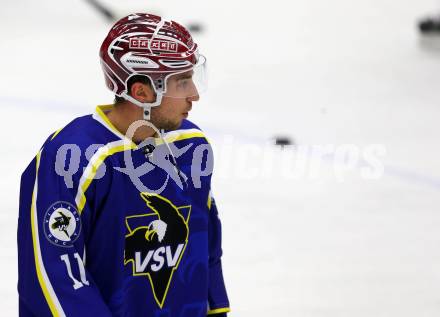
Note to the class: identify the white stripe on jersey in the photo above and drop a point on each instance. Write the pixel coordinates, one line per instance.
(45, 284)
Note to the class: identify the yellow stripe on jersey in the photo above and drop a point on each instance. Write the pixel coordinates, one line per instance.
(209, 203)
(92, 168)
(103, 119)
(219, 310)
(100, 110)
(56, 133)
(46, 286)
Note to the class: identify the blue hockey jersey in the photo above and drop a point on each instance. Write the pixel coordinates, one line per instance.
(106, 229)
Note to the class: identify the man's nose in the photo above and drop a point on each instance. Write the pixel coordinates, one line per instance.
(194, 93)
(194, 97)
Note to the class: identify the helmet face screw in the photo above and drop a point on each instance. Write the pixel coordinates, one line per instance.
(146, 112)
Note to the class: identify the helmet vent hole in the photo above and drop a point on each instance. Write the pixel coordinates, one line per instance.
(175, 63)
(137, 61)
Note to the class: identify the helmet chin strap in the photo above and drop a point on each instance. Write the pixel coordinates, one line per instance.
(146, 106)
(147, 113)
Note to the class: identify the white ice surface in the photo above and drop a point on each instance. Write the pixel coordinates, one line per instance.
(323, 72)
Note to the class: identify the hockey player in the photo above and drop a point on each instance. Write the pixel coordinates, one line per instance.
(116, 214)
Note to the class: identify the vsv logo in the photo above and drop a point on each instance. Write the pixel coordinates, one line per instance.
(144, 265)
(156, 242)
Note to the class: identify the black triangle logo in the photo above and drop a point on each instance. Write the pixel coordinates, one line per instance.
(156, 242)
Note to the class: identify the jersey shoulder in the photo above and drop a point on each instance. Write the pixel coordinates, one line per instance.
(81, 133)
(73, 156)
(78, 149)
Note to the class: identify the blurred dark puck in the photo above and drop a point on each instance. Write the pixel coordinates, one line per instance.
(195, 27)
(430, 25)
(283, 141)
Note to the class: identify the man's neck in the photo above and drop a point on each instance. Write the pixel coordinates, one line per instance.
(123, 115)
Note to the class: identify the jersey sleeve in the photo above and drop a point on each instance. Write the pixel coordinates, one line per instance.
(217, 296)
(53, 278)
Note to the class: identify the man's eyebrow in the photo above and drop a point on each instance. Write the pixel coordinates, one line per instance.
(185, 76)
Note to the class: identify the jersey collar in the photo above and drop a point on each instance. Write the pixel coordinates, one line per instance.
(101, 117)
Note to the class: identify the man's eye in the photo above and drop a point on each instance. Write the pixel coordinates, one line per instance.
(183, 82)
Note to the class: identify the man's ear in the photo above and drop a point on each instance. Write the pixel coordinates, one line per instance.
(142, 92)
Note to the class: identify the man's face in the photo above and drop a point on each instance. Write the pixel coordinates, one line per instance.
(176, 102)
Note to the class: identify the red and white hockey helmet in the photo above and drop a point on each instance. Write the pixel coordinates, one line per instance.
(145, 44)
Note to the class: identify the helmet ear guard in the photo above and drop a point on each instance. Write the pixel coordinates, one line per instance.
(146, 106)
(158, 87)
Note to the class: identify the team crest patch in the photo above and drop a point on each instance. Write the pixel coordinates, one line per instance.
(156, 241)
(62, 224)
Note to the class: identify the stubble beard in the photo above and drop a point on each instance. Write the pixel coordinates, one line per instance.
(161, 122)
